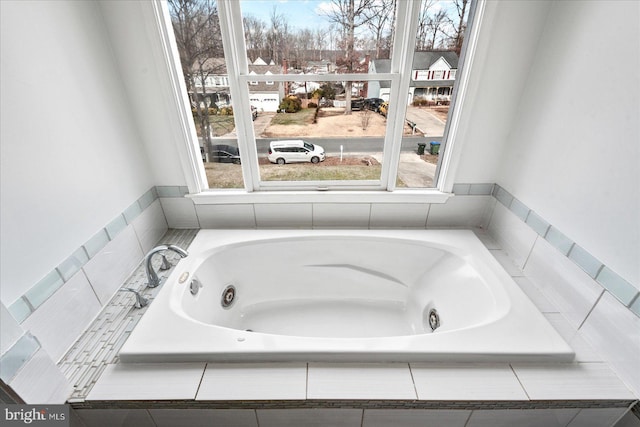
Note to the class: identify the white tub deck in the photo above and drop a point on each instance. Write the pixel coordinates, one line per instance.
(342, 296)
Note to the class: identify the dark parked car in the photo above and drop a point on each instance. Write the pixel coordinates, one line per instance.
(357, 104)
(225, 154)
(373, 103)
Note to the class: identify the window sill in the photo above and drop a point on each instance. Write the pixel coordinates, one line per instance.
(218, 197)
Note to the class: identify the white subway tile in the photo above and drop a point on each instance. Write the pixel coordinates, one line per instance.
(341, 215)
(150, 226)
(62, 318)
(614, 332)
(571, 381)
(180, 212)
(226, 216)
(109, 268)
(254, 381)
(535, 295)
(40, 381)
(584, 351)
(148, 381)
(395, 215)
(360, 381)
(514, 236)
(284, 215)
(460, 211)
(563, 283)
(458, 381)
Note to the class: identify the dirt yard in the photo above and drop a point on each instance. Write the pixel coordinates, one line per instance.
(332, 122)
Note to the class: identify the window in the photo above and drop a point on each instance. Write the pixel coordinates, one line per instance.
(376, 100)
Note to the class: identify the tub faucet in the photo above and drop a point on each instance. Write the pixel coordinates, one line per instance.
(140, 300)
(152, 277)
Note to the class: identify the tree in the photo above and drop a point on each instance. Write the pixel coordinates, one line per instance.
(461, 10)
(379, 19)
(349, 15)
(255, 36)
(197, 30)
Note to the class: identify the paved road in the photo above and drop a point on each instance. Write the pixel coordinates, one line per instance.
(350, 145)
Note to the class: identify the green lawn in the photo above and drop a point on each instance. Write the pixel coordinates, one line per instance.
(302, 117)
(227, 175)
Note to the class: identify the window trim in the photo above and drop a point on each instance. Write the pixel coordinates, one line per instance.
(188, 146)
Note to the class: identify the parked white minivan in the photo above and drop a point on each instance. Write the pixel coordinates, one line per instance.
(295, 151)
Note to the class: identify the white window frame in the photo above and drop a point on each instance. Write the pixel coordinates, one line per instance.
(257, 191)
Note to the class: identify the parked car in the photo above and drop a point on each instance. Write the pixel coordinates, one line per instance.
(225, 154)
(384, 108)
(357, 104)
(295, 151)
(373, 103)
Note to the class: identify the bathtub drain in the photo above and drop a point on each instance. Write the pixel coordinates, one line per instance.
(228, 296)
(434, 319)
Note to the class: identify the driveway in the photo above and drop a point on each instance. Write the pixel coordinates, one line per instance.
(413, 171)
(259, 125)
(425, 121)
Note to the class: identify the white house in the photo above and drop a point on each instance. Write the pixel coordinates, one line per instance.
(432, 76)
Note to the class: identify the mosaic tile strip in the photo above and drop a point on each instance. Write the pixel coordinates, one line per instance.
(353, 404)
(99, 344)
(625, 292)
(24, 306)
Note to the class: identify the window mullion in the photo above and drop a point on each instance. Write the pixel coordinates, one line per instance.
(401, 62)
(236, 61)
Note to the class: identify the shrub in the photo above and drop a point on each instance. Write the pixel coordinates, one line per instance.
(312, 105)
(226, 111)
(291, 104)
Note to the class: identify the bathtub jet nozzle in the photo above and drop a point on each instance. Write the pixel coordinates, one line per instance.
(228, 296)
(434, 319)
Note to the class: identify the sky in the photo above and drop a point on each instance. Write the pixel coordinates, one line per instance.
(299, 13)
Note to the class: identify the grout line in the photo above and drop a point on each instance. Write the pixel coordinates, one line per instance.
(151, 418)
(92, 290)
(415, 389)
(591, 309)
(466, 423)
(306, 388)
(526, 261)
(519, 382)
(201, 380)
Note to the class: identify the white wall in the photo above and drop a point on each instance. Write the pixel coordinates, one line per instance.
(573, 151)
(71, 154)
(506, 48)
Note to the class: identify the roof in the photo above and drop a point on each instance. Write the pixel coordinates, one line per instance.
(421, 60)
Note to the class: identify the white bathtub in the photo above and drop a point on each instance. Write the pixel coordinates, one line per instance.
(363, 295)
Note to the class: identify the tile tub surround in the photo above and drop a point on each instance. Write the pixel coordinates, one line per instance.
(354, 394)
(99, 344)
(144, 219)
(600, 307)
